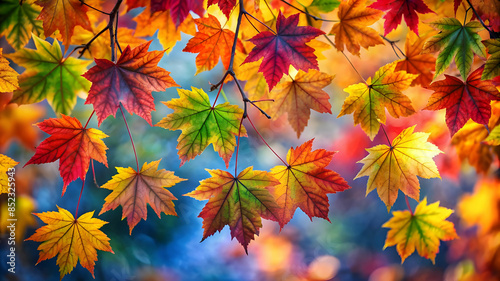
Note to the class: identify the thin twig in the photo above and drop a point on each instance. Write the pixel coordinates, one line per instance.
(493, 34)
(253, 17)
(102, 12)
(394, 46)
(308, 14)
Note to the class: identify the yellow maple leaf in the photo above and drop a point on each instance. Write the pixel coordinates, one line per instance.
(133, 190)
(6, 164)
(421, 230)
(71, 239)
(8, 76)
(367, 101)
(352, 30)
(396, 167)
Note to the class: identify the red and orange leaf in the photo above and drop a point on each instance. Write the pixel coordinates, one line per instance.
(239, 202)
(284, 48)
(6, 166)
(305, 183)
(399, 8)
(422, 230)
(417, 63)
(352, 31)
(130, 82)
(72, 144)
(463, 100)
(133, 190)
(299, 95)
(63, 15)
(211, 42)
(226, 6)
(70, 239)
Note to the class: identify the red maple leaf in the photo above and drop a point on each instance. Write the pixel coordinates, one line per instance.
(398, 8)
(130, 81)
(72, 144)
(179, 9)
(226, 6)
(463, 100)
(284, 48)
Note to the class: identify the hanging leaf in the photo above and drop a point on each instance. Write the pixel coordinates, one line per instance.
(417, 63)
(396, 167)
(422, 230)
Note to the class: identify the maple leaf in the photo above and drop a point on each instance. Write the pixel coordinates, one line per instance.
(99, 48)
(298, 96)
(399, 8)
(63, 15)
(70, 239)
(492, 66)
(488, 10)
(211, 42)
(455, 40)
(422, 230)
(239, 202)
(305, 182)
(130, 81)
(8, 76)
(417, 63)
(202, 124)
(6, 164)
(18, 22)
(352, 31)
(396, 167)
(179, 9)
(226, 6)
(73, 144)
(463, 100)
(168, 33)
(133, 190)
(284, 48)
(368, 100)
(49, 76)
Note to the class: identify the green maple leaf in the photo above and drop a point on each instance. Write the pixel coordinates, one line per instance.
(455, 40)
(18, 21)
(492, 66)
(49, 76)
(202, 124)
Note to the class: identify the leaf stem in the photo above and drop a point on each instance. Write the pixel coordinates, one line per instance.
(307, 13)
(347, 58)
(238, 148)
(268, 146)
(130, 135)
(408, 204)
(79, 198)
(253, 17)
(218, 93)
(386, 136)
(92, 114)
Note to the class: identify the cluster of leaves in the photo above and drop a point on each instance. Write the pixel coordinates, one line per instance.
(274, 46)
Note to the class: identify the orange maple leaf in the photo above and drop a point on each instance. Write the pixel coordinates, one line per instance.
(299, 95)
(352, 30)
(133, 190)
(417, 63)
(211, 42)
(73, 144)
(305, 182)
(63, 15)
(71, 239)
